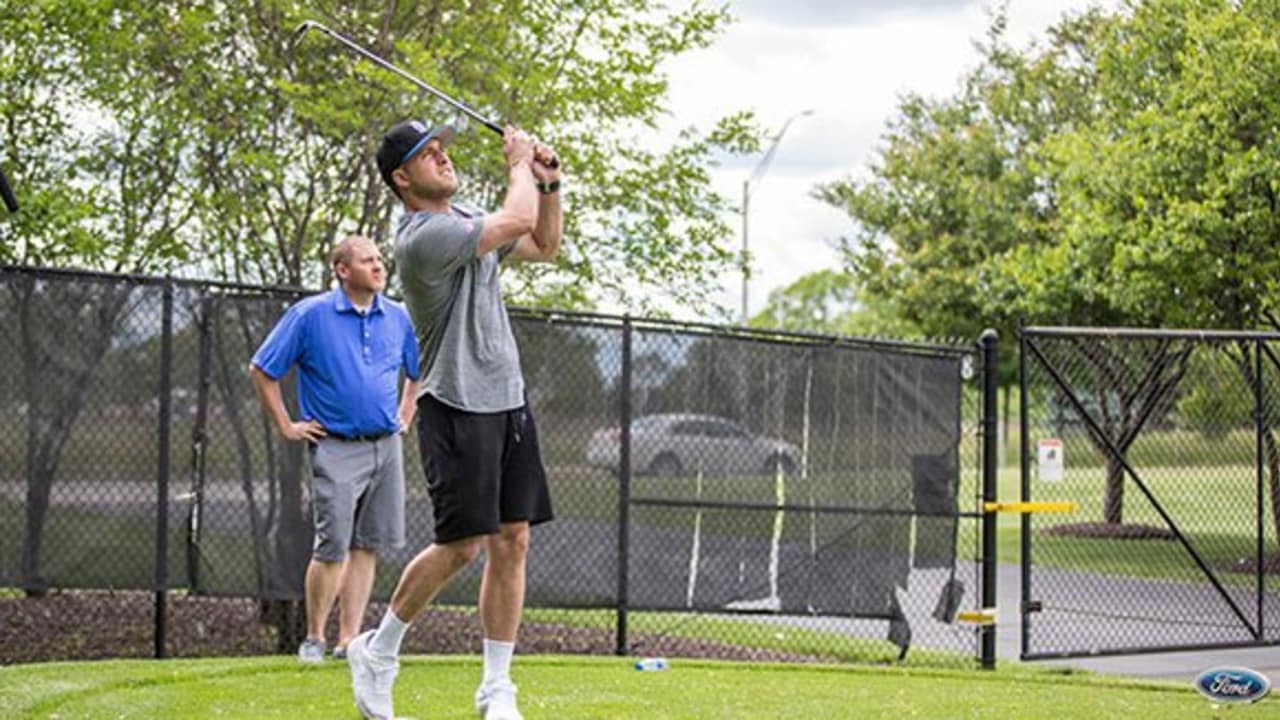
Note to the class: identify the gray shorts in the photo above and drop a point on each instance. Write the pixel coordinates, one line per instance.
(357, 496)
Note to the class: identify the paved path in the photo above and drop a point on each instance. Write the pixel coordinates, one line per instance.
(1161, 599)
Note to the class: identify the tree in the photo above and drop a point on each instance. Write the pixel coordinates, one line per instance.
(1123, 174)
(104, 196)
(1170, 195)
(964, 188)
(828, 302)
(285, 148)
(266, 149)
(42, 149)
(191, 137)
(960, 183)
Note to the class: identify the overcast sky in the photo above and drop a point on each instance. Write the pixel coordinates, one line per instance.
(849, 61)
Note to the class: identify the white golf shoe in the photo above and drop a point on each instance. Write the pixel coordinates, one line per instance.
(497, 701)
(372, 678)
(311, 652)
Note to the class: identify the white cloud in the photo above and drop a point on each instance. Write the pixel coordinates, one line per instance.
(850, 62)
(838, 12)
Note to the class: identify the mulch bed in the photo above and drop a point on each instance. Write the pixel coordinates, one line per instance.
(90, 625)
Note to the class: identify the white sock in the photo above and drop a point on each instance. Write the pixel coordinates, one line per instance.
(497, 661)
(386, 641)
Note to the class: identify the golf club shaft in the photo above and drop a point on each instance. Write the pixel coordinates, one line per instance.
(304, 27)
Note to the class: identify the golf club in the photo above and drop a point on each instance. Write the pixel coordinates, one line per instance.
(351, 44)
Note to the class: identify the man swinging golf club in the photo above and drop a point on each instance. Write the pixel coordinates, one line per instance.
(478, 440)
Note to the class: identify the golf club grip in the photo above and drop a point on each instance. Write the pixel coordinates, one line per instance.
(498, 129)
(10, 201)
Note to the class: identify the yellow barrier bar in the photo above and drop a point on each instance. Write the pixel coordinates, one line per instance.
(1029, 507)
(985, 616)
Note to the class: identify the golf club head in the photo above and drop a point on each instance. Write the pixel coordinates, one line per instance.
(302, 29)
(291, 46)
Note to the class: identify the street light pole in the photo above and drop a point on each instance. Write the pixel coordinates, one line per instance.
(746, 270)
(756, 176)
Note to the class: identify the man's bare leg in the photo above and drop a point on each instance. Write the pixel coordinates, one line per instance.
(423, 578)
(353, 593)
(372, 656)
(321, 590)
(502, 588)
(501, 607)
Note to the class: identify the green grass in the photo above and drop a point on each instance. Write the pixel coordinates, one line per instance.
(756, 634)
(1165, 447)
(580, 687)
(1213, 505)
(1168, 447)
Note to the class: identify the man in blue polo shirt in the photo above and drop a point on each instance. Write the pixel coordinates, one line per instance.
(350, 346)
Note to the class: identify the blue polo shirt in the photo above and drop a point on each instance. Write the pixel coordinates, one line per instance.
(348, 363)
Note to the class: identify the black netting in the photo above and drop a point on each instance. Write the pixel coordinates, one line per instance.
(1157, 441)
(245, 507)
(788, 497)
(79, 438)
(859, 445)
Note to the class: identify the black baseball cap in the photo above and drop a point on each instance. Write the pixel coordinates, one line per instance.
(404, 140)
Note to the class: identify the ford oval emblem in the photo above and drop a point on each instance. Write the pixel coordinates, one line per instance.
(1232, 685)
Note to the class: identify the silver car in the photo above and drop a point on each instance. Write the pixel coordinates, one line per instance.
(680, 444)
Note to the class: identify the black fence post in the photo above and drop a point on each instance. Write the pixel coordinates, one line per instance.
(1024, 471)
(1259, 427)
(990, 465)
(162, 472)
(624, 486)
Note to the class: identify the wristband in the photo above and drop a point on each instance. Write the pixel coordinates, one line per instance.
(547, 188)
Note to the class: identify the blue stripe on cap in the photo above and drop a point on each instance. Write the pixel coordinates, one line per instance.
(426, 139)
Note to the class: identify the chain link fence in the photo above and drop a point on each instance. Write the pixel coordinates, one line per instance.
(1167, 443)
(719, 492)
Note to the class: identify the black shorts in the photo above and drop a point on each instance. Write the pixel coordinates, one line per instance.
(482, 469)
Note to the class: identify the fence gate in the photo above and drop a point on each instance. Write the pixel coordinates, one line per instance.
(1167, 443)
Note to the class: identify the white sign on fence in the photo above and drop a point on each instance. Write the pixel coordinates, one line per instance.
(1049, 460)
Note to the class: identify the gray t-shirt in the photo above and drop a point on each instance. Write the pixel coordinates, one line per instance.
(469, 356)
